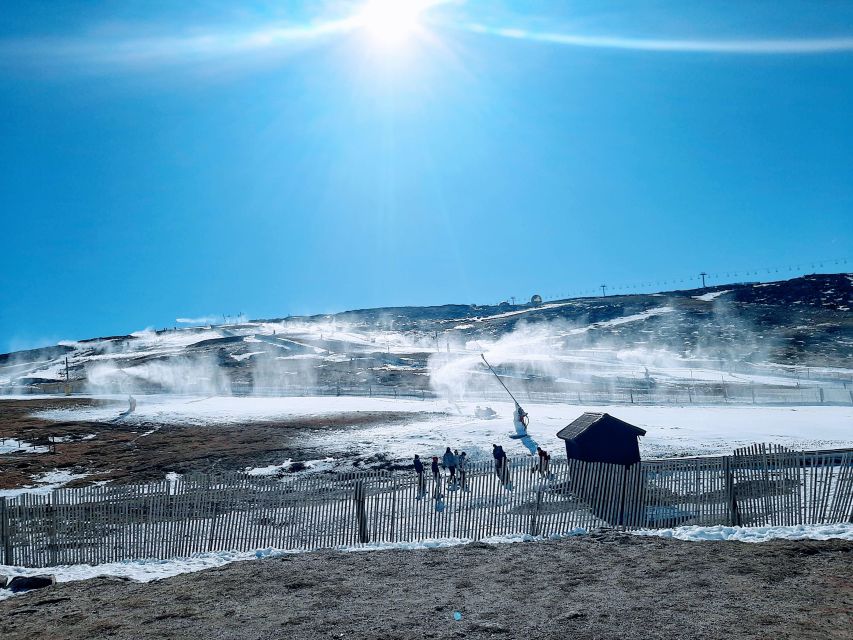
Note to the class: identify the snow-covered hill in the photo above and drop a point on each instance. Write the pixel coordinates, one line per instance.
(773, 336)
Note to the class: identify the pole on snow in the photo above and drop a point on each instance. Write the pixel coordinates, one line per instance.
(499, 378)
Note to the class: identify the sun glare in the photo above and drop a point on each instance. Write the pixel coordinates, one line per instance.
(391, 21)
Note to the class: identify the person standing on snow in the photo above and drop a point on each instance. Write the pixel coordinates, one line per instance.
(419, 470)
(449, 462)
(463, 463)
(437, 493)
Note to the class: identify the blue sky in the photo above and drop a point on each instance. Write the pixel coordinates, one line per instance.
(163, 160)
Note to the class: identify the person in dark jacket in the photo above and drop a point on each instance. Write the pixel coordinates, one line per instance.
(449, 462)
(544, 462)
(498, 453)
(437, 493)
(500, 461)
(419, 470)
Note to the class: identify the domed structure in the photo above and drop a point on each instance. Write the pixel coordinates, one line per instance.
(536, 300)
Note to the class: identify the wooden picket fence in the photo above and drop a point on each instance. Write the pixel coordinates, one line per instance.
(757, 486)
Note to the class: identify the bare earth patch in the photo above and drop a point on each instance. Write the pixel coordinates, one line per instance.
(594, 587)
(121, 452)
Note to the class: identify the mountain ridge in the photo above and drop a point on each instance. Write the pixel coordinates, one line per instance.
(800, 322)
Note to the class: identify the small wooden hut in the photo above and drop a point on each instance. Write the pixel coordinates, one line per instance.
(599, 437)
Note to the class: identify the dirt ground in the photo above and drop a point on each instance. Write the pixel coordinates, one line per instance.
(120, 453)
(593, 587)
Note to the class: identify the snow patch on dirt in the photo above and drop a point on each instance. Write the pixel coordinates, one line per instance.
(11, 445)
(44, 483)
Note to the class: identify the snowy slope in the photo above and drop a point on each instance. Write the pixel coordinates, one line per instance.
(436, 424)
(774, 335)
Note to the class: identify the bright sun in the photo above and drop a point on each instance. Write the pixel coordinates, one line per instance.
(391, 21)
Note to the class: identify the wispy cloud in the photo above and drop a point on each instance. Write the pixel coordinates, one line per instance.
(94, 50)
(746, 46)
(166, 49)
(197, 46)
(200, 320)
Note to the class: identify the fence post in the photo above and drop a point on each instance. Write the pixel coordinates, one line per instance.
(734, 514)
(622, 520)
(212, 536)
(52, 547)
(534, 517)
(361, 512)
(393, 506)
(5, 533)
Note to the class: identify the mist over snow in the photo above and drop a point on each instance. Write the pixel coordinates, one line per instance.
(773, 336)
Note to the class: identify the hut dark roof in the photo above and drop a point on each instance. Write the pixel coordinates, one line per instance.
(588, 419)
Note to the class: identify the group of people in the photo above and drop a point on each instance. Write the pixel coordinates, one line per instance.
(455, 463)
(456, 466)
(544, 462)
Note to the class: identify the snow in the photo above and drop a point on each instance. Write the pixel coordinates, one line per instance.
(188, 410)
(510, 314)
(636, 317)
(148, 570)
(322, 464)
(434, 424)
(9, 445)
(708, 297)
(672, 431)
(243, 356)
(681, 375)
(170, 340)
(45, 483)
(63, 439)
(754, 534)
(579, 365)
(118, 363)
(615, 322)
